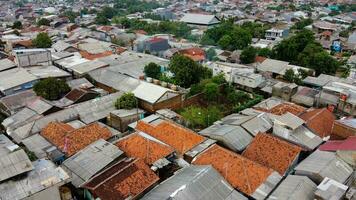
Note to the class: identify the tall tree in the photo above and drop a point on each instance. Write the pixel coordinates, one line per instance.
(51, 88)
(152, 70)
(248, 55)
(42, 40)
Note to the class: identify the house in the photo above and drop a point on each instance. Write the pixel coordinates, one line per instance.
(32, 57)
(81, 83)
(322, 164)
(320, 121)
(285, 107)
(330, 189)
(42, 182)
(284, 90)
(76, 95)
(43, 72)
(155, 46)
(70, 140)
(174, 135)
(200, 20)
(126, 179)
(343, 129)
(276, 33)
(321, 26)
(345, 149)
(240, 172)
(6, 64)
(272, 152)
(39, 146)
(61, 46)
(89, 161)
(194, 53)
(16, 80)
(233, 137)
(11, 104)
(120, 119)
(14, 163)
(148, 149)
(305, 96)
(294, 188)
(183, 185)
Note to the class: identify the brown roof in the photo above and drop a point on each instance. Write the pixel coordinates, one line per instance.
(138, 146)
(126, 179)
(287, 107)
(260, 59)
(272, 152)
(320, 121)
(181, 139)
(90, 56)
(75, 94)
(69, 140)
(242, 173)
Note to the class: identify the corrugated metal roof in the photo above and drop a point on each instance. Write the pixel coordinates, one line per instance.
(20, 118)
(45, 175)
(321, 164)
(195, 182)
(6, 64)
(87, 162)
(200, 19)
(261, 123)
(13, 164)
(294, 188)
(155, 92)
(37, 144)
(15, 77)
(234, 137)
(290, 120)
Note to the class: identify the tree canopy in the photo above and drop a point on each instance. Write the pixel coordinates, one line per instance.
(42, 40)
(211, 92)
(186, 71)
(126, 101)
(17, 25)
(152, 70)
(248, 55)
(51, 88)
(43, 22)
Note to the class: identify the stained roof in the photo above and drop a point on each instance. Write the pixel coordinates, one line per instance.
(18, 100)
(90, 160)
(181, 139)
(69, 140)
(319, 121)
(272, 152)
(145, 147)
(13, 164)
(195, 182)
(15, 77)
(37, 144)
(44, 175)
(126, 179)
(242, 173)
(321, 164)
(294, 188)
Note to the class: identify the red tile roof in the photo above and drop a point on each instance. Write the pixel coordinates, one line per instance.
(242, 173)
(287, 107)
(320, 121)
(181, 139)
(126, 179)
(69, 140)
(260, 59)
(142, 32)
(195, 53)
(347, 145)
(90, 56)
(144, 148)
(272, 152)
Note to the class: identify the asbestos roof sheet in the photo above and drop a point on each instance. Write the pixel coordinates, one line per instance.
(14, 78)
(290, 120)
(274, 66)
(89, 66)
(261, 123)
(37, 144)
(195, 182)
(6, 64)
(39, 105)
(199, 19)
(44, 175)
(82, 83)
(156, 92)
(13, 164)
(5, 142)
(321, 164)
(234, 137)
(19, 118)
(18, 100)
(90, 160)
(42, 72)
(294, 188)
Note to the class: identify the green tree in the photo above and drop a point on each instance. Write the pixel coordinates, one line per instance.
(265, 52)
(302, 24)
(126, 101)
(241, 38)
(71, 15)
(186, 71)
(43, 22)
(42, 40)
(17, 25)
(344, 33)
(210, 54)
(152, 70)
(289, 75)
(237, 97)
(51, 88)
(211, 92)
(323, 63)
(248, 55)
(102, 19)
(225, 42)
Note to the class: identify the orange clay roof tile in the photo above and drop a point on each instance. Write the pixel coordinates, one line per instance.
(287, 107)
(141, 147)
(124, 180)
(272, 152)
(242, 173)
(181, 139)
(69, 140)
(320, 121)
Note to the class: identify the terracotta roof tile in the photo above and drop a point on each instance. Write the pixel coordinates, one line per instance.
(90, 56)
(195, 53)
(242, 173)
(272, 152)
(181, 139)
(260, 59)
(320, 121)
(138, 146)
(69, 140)
(287, 107)
(126, 179)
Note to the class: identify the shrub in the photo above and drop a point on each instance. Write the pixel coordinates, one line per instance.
(51, 88)
(126, 101)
